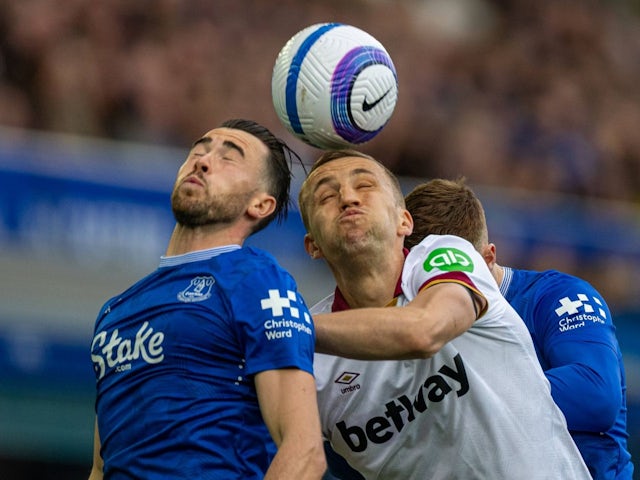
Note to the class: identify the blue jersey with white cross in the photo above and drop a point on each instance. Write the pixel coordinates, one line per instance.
(175, 358)
(574, 338)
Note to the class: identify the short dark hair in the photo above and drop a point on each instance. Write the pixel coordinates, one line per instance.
(277, 164)
(446, 207)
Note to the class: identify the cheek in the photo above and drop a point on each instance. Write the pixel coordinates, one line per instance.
(322, 227)
(315, 221)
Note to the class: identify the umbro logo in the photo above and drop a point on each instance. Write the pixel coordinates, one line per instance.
(346, 378)
(366, 106)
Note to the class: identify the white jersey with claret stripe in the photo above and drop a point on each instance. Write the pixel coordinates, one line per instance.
(480, 408)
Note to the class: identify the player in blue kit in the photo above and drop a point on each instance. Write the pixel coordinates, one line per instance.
(204, 367)
(569, 321)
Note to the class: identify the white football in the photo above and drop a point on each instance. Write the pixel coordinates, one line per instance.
(334, 86)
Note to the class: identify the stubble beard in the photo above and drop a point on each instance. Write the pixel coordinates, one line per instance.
(214, 209)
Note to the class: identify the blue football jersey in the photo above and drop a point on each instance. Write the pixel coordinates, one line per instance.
(175, 357)
(574, 337)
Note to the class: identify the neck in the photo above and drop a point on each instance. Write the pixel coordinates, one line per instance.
(498, 273)
(190, 239)
(367, 283)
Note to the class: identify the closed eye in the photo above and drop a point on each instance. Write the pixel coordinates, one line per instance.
(364, 179)
(326, 197)
(199, 150)
(195, 156)
(325, 194)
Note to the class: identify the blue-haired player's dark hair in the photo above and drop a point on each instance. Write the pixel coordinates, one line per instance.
(278, 167)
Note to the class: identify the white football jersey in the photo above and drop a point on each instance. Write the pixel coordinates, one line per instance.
(480, 408)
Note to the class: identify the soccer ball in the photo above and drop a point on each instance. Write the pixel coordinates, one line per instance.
(334, 86)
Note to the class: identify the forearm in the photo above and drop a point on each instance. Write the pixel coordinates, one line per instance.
(98, 464)
(96, 474)
(417, 330)
(295, 461)
(290, 410)
(370, 334)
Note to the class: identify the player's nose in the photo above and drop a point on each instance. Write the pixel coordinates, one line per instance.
(349, 196)
(203, 162)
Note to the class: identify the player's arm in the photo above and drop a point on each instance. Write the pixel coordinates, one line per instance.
(288, 404)
(581, 363)
(96, 468)
(437, 315)
(585, 384)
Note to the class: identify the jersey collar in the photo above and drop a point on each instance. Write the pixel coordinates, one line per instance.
(506, 280)
(172, 261)
(340, 303)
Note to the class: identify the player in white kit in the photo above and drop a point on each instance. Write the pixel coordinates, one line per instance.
(455, 391)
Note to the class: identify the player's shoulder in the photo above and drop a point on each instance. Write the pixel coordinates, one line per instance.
(554, 290)
(431, 242)
(251, 253)
(440, 251)
(550, 282)
(247, 266)
(249, 260)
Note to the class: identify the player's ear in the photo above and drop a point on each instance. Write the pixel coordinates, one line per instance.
(261, 206)
(311, 247)
(405, 227)
(489, 255)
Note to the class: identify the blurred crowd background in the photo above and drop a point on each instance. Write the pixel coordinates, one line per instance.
(541, 95)
(534, 102)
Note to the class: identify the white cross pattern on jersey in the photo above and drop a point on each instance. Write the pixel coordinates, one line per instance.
(277, 303)
(570, 307)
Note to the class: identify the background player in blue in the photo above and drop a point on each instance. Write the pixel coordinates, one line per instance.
(204, 367)
(569, 321)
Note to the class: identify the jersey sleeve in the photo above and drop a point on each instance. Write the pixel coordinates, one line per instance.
(580, 352)
(444, 258)
(273, 322)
